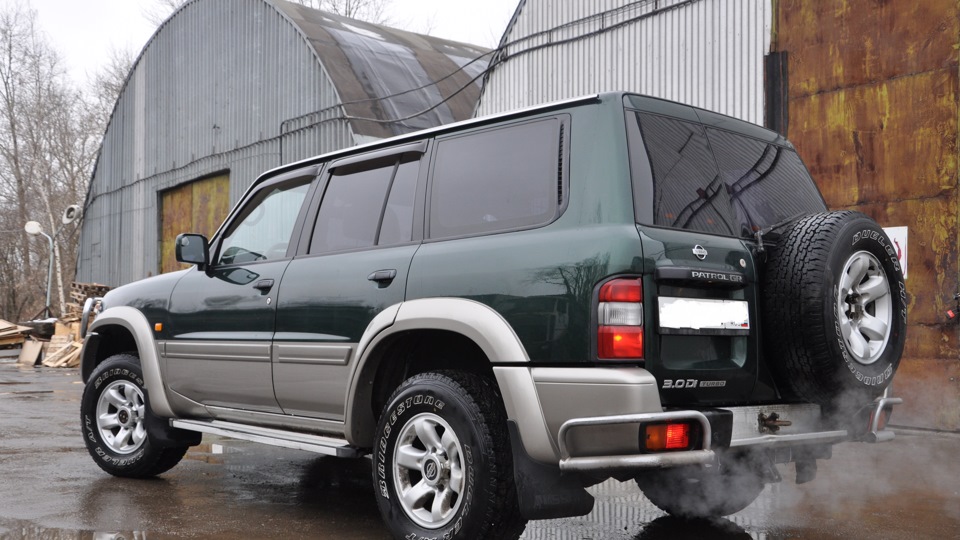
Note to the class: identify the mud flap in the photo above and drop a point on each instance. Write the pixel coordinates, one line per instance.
(542, 490)
(163, 434)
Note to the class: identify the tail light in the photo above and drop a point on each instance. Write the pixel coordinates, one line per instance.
(620, 320)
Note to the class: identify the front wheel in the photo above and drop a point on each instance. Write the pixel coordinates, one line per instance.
(114, 416)
(442, 461)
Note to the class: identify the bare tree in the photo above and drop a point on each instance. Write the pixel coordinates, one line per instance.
(374, 11)
(49, 135)
(158, 12)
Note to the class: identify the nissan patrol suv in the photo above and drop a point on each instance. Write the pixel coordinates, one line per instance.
(501, 312)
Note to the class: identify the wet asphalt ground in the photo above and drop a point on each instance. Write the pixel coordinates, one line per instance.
(50, 489)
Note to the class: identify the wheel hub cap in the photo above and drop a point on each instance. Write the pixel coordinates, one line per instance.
(120, 411)
(428, 471)
(864, 307)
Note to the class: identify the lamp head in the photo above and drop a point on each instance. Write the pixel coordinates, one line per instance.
(33, 228)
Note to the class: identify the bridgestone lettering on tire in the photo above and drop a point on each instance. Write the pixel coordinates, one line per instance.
(442, 466)
(114, 413)
(834, 310)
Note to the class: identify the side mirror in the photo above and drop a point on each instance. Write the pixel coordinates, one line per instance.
(193, 249)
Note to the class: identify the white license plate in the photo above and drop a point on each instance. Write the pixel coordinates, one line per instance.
(700, 314)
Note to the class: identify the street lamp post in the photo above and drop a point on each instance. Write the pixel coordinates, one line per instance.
(33, 228)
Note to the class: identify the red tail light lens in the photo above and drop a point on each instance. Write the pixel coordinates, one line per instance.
(620, 320)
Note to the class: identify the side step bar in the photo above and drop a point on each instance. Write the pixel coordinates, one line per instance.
(328, 446)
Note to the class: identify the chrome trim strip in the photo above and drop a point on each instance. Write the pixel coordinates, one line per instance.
(276, 420)
(311, 354)
(90, 305)
(776, 441)
(876, 435)
(328, 446)
(638, 461)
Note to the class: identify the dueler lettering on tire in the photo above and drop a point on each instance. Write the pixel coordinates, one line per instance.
(442, 466)
(115, 417)
(834, 309)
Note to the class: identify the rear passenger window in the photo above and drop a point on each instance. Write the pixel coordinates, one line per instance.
(366, 207)
(350, 210)
(496, 180)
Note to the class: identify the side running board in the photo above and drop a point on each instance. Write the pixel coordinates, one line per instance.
(328, 446)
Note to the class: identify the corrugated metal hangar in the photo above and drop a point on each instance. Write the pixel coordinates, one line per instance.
(227, 89)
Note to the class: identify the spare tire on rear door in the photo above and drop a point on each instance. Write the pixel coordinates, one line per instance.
(834, 310)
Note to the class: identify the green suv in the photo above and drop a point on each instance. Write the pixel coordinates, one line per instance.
(501, 312)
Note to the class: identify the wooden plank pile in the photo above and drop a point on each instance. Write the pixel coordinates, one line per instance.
(67, 355)
(12, 334)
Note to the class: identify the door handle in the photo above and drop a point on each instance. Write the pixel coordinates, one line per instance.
(264, 285)
(383, 277)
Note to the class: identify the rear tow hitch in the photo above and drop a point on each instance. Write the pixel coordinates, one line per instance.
(771, 423)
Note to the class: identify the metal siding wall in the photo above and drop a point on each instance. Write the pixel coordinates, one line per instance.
(208, 93)
(707, 53)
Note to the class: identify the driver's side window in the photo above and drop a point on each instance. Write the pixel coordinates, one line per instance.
(263, 229)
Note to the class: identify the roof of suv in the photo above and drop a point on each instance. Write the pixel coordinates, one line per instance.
(629, 100)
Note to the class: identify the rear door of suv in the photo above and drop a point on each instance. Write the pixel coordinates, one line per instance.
(704, 184)
(354, 255)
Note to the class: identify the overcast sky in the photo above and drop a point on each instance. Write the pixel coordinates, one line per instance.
(84, 31)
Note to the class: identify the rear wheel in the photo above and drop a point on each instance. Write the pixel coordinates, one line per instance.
(442, 463)
(115, 419)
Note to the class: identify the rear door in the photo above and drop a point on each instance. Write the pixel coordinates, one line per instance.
(705, 184)
(354, 259)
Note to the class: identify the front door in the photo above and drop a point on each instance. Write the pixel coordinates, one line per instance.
(222, 318)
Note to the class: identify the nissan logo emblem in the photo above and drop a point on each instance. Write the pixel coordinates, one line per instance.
(699, 252)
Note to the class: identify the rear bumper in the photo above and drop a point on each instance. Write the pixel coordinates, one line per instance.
(588, 420)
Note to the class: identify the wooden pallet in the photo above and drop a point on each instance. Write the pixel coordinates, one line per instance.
(68, 356)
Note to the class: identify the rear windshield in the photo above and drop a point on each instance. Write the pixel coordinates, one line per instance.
(716, 181)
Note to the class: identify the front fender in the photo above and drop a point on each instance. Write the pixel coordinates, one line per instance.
(134, 322)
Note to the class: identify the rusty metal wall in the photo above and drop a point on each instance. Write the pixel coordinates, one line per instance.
(707, 53)
(208, 94)
(873, 105)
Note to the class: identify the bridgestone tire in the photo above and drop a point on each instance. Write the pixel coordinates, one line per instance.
(114, 413)
(695, 492)
(834, 310)
(442, 465)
